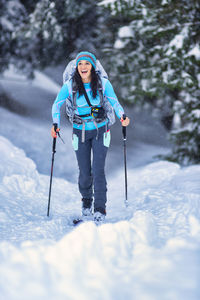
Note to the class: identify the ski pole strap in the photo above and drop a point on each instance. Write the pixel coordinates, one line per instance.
(61, 137)
(124, 128)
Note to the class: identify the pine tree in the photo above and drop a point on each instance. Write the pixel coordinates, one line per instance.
(12, 14)
(29, 5)
(55, 30)
(156, 58)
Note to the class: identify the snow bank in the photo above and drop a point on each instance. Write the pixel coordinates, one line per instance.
(40, 79)
(149, 251)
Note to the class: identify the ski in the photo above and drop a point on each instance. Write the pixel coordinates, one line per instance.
(82, 219)
(77, 221)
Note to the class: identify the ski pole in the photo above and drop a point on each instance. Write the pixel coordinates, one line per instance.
(52, 163)
(125, 165)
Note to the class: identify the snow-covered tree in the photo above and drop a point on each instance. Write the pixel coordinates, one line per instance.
(40, 33)
(12, 14)
(56, 29)
(156, 57)
(29, 5)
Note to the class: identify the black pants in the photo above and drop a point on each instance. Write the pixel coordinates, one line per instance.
(91, 156)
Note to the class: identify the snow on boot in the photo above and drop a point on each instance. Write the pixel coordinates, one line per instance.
(87, 206)
(99, 217)
(86, 212)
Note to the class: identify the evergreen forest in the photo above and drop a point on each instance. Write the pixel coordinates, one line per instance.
(151, 50)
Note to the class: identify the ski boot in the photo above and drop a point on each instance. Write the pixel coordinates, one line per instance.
(87, 207)
(99, 216)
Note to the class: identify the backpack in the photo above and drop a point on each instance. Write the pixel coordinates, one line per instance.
(71, 101)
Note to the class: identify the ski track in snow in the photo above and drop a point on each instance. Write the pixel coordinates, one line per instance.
(148, 251)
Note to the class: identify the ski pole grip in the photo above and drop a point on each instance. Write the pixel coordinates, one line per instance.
(124, 127)
(124, 116)
(54, 139)
(55, 125)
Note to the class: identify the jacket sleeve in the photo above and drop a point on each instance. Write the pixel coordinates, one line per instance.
(60, 99)
(112, 98)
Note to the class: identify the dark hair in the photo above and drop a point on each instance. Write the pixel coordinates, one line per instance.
(79, 82)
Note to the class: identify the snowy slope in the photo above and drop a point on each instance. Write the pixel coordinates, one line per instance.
(149, 251)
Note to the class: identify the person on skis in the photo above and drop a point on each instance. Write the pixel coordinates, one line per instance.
(91, 132)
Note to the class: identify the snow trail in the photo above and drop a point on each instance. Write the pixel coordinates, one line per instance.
(148, 251)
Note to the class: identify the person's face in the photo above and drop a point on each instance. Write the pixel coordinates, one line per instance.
(84, 69)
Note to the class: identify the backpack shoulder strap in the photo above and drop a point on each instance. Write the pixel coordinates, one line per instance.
(74, 92)
(100, 89)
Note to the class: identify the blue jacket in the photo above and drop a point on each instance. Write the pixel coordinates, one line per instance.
(82, 105)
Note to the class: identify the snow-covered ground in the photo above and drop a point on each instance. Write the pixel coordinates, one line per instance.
(147, 251)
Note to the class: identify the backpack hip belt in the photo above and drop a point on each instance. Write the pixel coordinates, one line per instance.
(78, 119)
